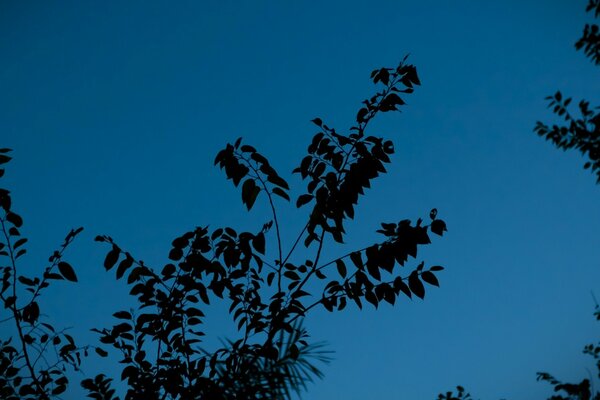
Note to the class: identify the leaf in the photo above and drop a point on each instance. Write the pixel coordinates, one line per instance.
(281, 193)
(371, 298)
(415, 285)
(14, 219)
(26, 281)
(436, 268)
(111, 258)
(433, 213)
(4, 159)
(373, 270)
(258, 242)
(303, 199)
(317, 121)
(360, 116)
(270, 278)
(247, 192)
(291, 275)
(19, 243)
(279, 181)
(122, 315)
(252, 197)
(438, 227)
(341, 267)
(175, 254)
(100, 352)
(124, 266)
(430, 278)
(356, 259)
(67, 271)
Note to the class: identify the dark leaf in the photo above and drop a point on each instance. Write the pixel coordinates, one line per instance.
(430, 278)
(303, 199)
(14, 219)
(258, 242)
(124, 266)
(67, 271)
(281, 193)
(341, 267)
(248, 192)
(438, 227)
(111, 258)
(122, 315)
(415, 285)
(19, 243)
(356, 259)
(433, 213)
(291, 275)
(277, 180)
(100, 352)
(4, 159)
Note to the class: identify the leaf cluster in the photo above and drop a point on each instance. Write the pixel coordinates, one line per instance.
(579, 132)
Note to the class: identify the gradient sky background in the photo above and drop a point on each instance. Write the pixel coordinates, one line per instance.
(115, 111)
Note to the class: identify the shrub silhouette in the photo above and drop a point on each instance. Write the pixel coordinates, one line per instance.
(268, 294)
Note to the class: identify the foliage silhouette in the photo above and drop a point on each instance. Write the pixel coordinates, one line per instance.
(583, 132)
(576, 391)
(460, 395)
(269, 292)
(28, 369)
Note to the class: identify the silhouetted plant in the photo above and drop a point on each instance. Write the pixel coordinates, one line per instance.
(268, 295)
(28, 369)
(582, 132)
(269, 291)
(460, 395)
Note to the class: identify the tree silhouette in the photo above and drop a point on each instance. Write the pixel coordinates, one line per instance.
(269, 289)
(582, 132)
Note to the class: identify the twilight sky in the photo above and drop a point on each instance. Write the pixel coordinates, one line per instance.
(115, 111)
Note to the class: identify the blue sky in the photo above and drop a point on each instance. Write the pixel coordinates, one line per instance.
(115, 111)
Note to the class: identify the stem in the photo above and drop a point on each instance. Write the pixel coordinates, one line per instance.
(15, 312)
(295, 244)
(342, 257)
(264, 185)
(315, 263)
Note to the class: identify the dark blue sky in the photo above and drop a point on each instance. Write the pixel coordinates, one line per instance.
(115, 111)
